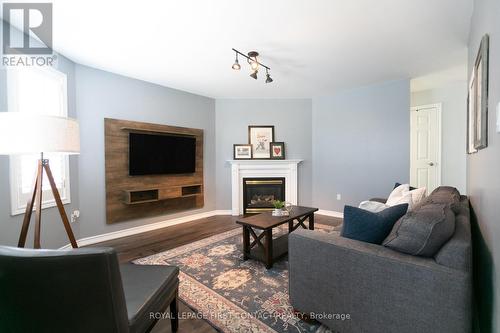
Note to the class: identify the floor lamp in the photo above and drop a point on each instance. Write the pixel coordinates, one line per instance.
(22, 133)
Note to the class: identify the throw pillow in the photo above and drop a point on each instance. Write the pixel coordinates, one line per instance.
(404, 193)
(373, 206)
(417, 195)
(365, 226)
(411, 187)
(422, 231)
(400, 195)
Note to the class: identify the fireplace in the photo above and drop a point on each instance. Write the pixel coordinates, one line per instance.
(259, 194)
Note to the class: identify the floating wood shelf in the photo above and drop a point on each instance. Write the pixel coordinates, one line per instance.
(134, 197)
(141, 196)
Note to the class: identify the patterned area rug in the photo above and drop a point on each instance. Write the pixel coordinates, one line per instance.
(232, 294)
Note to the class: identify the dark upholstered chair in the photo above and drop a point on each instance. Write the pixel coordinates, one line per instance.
(82, 290)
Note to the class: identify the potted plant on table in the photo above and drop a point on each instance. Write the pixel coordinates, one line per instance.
(278, 208)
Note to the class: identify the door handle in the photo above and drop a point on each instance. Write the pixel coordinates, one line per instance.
(431, 163)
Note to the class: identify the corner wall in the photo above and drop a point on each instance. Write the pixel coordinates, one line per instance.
(361, 143)
(292, 120)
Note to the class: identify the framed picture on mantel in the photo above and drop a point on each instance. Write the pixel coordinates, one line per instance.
(278, 150)
(260, 137)
(242, 152)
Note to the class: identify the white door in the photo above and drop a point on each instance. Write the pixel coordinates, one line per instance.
(425, 162)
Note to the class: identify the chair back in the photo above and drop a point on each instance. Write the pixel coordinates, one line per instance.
(61, 291)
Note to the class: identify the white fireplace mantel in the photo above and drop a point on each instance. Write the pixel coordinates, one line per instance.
(262, 168)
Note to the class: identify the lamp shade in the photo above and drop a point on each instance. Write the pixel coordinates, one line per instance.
(24, 133)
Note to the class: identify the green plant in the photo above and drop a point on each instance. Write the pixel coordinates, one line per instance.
(278, 204)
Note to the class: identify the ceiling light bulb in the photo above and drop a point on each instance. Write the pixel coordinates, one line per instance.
(254, 65)
(254, 74)
(236, 65)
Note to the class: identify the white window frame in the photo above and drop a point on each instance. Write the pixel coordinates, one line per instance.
(17, 197)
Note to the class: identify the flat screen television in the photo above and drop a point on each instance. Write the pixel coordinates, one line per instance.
(157, 154)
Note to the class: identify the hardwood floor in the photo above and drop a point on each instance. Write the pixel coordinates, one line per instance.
(145, 244)
(151, 242)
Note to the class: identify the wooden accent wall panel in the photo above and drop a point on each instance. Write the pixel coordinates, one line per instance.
(118, 181)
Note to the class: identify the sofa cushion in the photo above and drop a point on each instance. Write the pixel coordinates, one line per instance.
(422, 231)
(366, 226)
(457, 252)
(442, 195)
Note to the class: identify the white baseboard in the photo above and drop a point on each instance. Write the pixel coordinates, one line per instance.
(223, 212)
(145, 228)
(331, 213)
(167, 223)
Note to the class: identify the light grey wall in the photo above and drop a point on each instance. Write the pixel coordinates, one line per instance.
(453, 97)
(361, 143)
(292, 120)
(483, 175)
(102, 95)
(52, 230)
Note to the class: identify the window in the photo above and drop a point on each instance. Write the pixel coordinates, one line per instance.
(40, 91)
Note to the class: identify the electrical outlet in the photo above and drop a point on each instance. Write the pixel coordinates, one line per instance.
(75, 215)
(339, 197)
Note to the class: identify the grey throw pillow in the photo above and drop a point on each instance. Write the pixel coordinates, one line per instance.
(422, 232)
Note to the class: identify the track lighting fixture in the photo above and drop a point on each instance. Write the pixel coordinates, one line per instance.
(236, 65)
(254, 64)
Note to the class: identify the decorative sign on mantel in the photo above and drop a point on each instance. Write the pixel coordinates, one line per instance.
(241, 169)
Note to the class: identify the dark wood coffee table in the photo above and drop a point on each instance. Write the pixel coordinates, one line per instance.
(272, 249)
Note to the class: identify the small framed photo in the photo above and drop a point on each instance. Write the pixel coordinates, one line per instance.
(260, 138)
(277, 150)
(242, 152)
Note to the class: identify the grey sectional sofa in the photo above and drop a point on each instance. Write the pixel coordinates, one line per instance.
(353, 286)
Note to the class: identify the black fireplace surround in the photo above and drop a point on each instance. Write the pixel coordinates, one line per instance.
(259, 194)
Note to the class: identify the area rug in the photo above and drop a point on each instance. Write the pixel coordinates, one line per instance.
(232, 294)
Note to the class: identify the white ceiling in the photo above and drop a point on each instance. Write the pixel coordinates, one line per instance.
(314, 47)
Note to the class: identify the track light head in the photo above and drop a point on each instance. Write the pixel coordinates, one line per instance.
(236, 65)
(254, 74)
(254, 64)
(268, 78)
